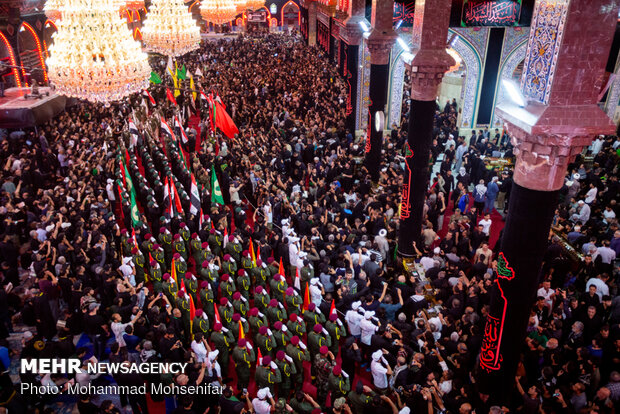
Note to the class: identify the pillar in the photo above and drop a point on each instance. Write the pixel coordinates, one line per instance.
(429, 64)
(560, 117)
(352, 35)
(380, 44)
(312, 23)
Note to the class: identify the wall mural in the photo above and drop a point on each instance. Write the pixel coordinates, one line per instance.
(363, 85)
(545, 38)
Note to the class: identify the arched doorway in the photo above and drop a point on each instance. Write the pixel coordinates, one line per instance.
(290, 15)
(48, 30)
(451, 88)
(8, 75)
(31, 55)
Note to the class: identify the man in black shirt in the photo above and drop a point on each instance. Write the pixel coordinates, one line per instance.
(97, 330)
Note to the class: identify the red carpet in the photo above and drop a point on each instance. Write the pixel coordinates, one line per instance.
(496, 226)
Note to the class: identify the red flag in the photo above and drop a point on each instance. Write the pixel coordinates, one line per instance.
(306, 298)
(258, 253)
(173, 273)
(260, 358)
(151, 99)
(170, 96)
(177, 199)
(252, 255)
(217, 314)
(333, 308)
(281, 268)
(241, 333)
(133, 236)
(297, 283)
(150, 258)
(201, 219)
(192, 309)
(224, 122)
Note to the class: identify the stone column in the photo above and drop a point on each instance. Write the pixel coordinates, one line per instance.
(380, 44)
(560, 118)
(429, 64)
(351, 34)
(312, 5)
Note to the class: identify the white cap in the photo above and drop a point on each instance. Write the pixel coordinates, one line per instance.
(213, 354)
(27, 335)
(314, 281)
(263, 393)
(356, 305)
(436, 250)
(369, 314)
(377, 355)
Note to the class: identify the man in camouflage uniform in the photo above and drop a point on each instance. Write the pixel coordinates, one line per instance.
(256, 321)
(323, 364)
(165, 240)
(179, 246)
(229, 266)
(170, 288)
(156, 276)
(226, 312)
(260, 274)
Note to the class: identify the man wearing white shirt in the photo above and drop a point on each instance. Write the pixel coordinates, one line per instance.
(547, 293)
(260, 403)
(316, 292)
(368, 328)
(353, 319)
(118, 328)
(380, 370)
(600, 284)
(607, 254)
(591, 194)
(486, 224)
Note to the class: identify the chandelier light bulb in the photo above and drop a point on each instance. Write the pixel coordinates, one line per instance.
(52, 9)
(94, 56)
(218, 11)
(170, 29)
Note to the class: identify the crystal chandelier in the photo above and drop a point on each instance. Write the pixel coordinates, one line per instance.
(133, 5)
(218, 11)
(255, 4)
(169, 28)
(94, 56)
(52, 9)
(241, 6)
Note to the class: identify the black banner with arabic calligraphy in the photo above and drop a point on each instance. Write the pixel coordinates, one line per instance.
(499, 13)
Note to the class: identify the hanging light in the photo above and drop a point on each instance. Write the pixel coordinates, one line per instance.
(170, 29)
(218, 11)
(52, 9)
(255, 4)
(241, 6)
(94, 56)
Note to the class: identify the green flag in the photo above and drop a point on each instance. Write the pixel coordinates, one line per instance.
(135, 214)
(216, 192)
(155, 78)
(182, 73)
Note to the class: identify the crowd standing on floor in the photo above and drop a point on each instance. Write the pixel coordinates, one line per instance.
(96, 284)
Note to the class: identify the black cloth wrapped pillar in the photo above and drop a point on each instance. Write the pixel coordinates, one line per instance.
(351, 59)
(379, 76)
(524, 243)
(416, 175)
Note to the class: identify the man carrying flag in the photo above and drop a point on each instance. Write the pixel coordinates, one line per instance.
(194, 198)
(216, 192)
(165, 128)
(244, 357)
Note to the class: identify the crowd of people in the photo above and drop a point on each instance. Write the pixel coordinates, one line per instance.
(298, 302)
